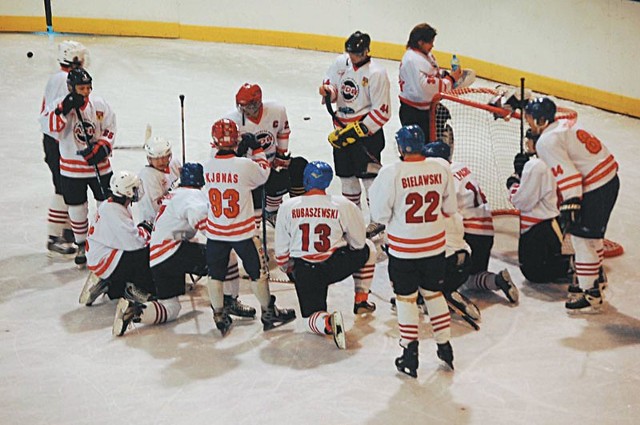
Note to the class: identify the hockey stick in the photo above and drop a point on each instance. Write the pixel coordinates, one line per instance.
(89, 144)
(182, 122)
(522, 115)
(461, 313)
(132, 148)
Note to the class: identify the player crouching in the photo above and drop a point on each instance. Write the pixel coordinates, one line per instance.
(321, 240)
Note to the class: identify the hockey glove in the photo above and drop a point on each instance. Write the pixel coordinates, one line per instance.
(344, 137)
(282, 160)
(518, 163)
(248, 141)
(71, 101)
(569, 213)
(146, 226)
(95, 153)
(513, 179)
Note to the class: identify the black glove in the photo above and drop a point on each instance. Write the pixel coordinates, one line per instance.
(518, 163)
(247, 141)
(282, 160)
(513, 179)
(146, 226)
(569, 213)
(71, 101)
(95, 153)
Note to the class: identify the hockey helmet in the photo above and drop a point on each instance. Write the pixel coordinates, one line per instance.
(127, 185)
(249, 99)
(157, 147)
(317, 175)
(358, 43)
(410, 139)
(192, 175)
(76, 77)
(541, 108)
(437, 149)
(224, 133)
(72, 53)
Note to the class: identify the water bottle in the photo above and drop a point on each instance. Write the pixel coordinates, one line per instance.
(455, 63)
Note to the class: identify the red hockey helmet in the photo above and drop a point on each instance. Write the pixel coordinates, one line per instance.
(249, 99)
(225, 134)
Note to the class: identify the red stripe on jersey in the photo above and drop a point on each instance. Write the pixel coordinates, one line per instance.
(416, 241)
(103, 264)
(601, 171)
(418, 105)
(421, 249)
(159, 249)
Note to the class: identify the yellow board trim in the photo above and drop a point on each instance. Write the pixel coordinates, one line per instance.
(538, 83)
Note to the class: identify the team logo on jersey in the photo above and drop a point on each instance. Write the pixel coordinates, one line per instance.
(79, 133)
(349, 90)
(266, 140)
(99, 115)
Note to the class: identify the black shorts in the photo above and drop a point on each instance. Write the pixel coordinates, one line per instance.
(168, 276)
(356, 160)
(218, 257)
(133, 267)
(74, 190)
(596, 211)
(540, 253)
(52, 158)
(480, 251)
(409, 274)
(456, 274)
(313, 279)
(410, 115)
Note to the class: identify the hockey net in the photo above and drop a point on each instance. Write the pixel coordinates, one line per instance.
(487, 137)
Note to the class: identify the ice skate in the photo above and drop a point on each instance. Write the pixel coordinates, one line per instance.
(81, 258)
(133, 293)
(233, 306)
(59, 247)
(223, 321)
(127, 312)
(408, 362)
(373, 229)
(445, 353)
(67, 236)
(271, 217)
(574, 292)
(504, 282)
(337, 329)
(464, 308)
(274, 317)
(92, 289)
(590, 301)
(364, 306)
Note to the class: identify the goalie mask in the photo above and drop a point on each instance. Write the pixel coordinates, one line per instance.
(71, 53)
(127, 185)
(224, 134)
(249, 99)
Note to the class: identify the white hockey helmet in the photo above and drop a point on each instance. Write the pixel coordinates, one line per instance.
(157, 147)
(128, 185)
(72, 53)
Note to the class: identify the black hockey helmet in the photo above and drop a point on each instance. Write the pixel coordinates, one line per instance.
(541, 108)
(78, 76)
(358, 42)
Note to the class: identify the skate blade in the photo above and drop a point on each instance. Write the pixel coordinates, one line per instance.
(339, 335)
(118, 321)
(587, 310)
(92, 280)
(271, 326)
(407, 371)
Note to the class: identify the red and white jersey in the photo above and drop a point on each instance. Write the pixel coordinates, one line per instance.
(271, 127)
(55, 89)
(112, 232)
(156, 183)
(455, 235)
(314, 225)
(420, 79)
(412, 197)
(100, 124)
(229, 181)
(361, 93)
(579, 161)
(472, 202)
(182, 214)
(536, 195)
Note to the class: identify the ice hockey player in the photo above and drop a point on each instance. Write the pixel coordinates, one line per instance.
(174, 253)
(413, 196)
(267, 121)
(71, 54)
(320, 240)
(117, 248)
(229, 180)
(85, 126)
(533, 191)
(359, 86)
(158, 176)
(587, 177)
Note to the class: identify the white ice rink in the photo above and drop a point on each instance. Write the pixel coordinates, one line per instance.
(59, 364)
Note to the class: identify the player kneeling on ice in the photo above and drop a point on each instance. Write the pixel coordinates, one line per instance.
(229, 180)
(173, 254)
(320, 240)
(117, 248)
(413, 197)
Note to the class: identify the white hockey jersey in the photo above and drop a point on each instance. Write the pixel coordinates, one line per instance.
(156, 184)
(314, 225)
(536, 195)
(229, 181)
(360, 93)
(100, 124)
(455, 235)
(420, 79)
(182, 214)
(412, 197)
(472, 202)
(271, 127)
(578, 160)
(55, 89)
(112, 232)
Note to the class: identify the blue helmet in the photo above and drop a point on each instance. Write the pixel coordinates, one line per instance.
(192, 175)
(410, 139)
(437, 149)
(541, 108)
(317, 175)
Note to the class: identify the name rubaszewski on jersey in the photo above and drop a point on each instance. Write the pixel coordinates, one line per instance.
(314, 212)
(421, 180)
